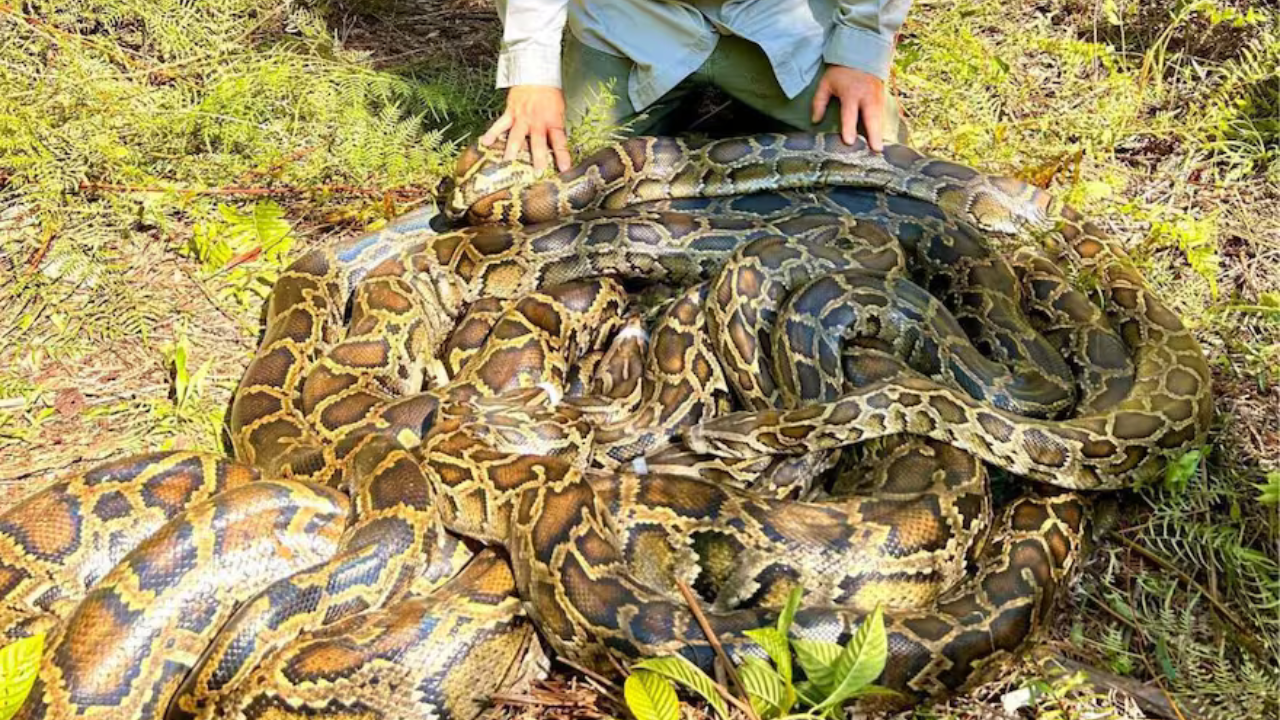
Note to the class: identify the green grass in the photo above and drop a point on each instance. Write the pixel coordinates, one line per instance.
(131, 130)
(1161, 120)
(159, 160)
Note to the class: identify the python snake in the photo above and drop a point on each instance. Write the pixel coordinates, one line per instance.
(824, 293)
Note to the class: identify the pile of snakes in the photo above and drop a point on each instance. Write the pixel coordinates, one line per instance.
(746, 365)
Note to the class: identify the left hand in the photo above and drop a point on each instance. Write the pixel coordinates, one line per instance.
(861, 95)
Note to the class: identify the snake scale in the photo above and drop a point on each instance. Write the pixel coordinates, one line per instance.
(664, 366)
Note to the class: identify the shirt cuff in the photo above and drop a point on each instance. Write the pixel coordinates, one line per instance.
(529, 64)
(860, 49)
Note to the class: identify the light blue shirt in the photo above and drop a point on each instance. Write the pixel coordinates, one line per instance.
(668, 41)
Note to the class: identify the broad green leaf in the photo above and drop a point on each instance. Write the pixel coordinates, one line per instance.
(861, 662)
(788, 613)
(689, 675)
(19, 663)
(766, 690)
(775, 644)
(818, 658)
(809, 693)
(650, 696)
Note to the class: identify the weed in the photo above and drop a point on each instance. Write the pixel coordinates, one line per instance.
(834, 675)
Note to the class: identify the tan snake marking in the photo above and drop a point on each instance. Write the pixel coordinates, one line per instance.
(593, 555)
(171, 594)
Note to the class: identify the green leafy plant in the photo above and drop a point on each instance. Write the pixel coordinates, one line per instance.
(650, 696)
(19, 663)
(834, 674)
(1180, 472)
(1066, 697)
(187, 385)
(261, 229)
(190, 411)
(244, 249)
(1197, 238)
(680, 670)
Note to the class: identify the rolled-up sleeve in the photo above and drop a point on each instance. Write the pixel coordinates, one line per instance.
(862, 37)
(531, 34)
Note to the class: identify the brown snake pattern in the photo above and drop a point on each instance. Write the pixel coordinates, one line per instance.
(834, 295)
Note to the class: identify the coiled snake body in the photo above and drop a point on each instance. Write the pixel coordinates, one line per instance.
(824, 295)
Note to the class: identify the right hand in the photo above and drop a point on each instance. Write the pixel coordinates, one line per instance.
(534, 114)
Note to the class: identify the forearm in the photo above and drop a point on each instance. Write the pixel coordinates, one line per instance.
(531, 34)
(862, 38)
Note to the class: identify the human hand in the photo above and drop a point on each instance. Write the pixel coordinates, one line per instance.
(861, 95)
(534, 114)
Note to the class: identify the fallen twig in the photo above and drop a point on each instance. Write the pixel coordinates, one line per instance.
(1154, 701)
(411, 193)
(745, 704)
(1167, 565)
(592, 674)
(539, 702)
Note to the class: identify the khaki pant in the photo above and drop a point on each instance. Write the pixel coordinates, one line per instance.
(737, 66)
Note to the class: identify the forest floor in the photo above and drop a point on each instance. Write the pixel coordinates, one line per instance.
(160, 160)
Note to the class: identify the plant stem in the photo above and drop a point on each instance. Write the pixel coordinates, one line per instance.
(698, 615)
(1162, 562)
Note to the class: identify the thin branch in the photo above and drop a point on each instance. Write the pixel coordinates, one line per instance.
(1153, 701)
(536, 701)
(258, 191)
(33, 264)
(592, 674)
(698, 615)
(1167, 565)
(1112, 612)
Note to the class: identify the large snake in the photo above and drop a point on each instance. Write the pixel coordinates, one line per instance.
(833, 294)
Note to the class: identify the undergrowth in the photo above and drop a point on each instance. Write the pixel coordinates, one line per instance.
(129, 127)
(1163, 120)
